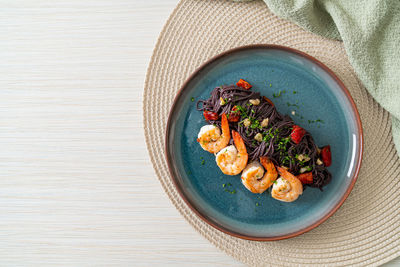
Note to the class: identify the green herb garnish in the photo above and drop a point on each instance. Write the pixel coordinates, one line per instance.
(255, 124)
(315, 121)
(279, 93)
(293, 105)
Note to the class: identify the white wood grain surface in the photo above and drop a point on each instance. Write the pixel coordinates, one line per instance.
(77, 187)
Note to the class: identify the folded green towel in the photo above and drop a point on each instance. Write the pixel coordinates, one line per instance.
(370, 31)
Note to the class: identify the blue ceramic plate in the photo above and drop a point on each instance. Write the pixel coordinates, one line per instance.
(221, 200)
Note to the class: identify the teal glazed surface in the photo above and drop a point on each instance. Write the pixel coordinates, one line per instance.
(222, 200)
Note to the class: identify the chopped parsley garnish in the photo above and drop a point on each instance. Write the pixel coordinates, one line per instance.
(257, 204)
(255, 124)
(282, 143)
(279, 93)
(315, 121)
(242, 111)
(202, 162)
(192, 99)
(227, 190)
(292, 105)
(294, 92)
(287, 159)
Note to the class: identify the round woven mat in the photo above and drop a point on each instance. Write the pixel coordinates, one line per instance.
(365, 230)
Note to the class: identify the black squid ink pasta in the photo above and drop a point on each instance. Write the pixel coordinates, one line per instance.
(266, 132)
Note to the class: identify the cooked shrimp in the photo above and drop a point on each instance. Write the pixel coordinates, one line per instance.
(287, 188)
(253, 177)
(210, 137)
(232, 160)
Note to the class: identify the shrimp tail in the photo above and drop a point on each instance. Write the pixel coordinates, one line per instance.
(283, 172)
(266, 162)
(239, 143)
(225, 126)
(287, 175)
(270, 167)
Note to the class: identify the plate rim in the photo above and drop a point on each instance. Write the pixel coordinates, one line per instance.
(267, 47)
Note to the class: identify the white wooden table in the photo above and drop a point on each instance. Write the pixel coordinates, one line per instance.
(77, 187)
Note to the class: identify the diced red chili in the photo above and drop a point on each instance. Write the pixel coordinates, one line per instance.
(245, 85)
(234, 115)
(305, 178)
(297, 134)
(326, 155)
(210, 116)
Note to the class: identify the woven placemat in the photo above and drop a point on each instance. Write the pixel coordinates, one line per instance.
(365, 230)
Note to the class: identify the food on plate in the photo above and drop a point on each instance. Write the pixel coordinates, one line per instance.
(255, 179)
(266, 138)
(210, 137)
(287, 188)
(233, 159)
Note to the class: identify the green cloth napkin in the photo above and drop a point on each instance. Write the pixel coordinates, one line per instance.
(370, 31)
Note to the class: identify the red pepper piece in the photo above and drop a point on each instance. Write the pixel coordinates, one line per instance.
(245, 85)
(305, 178)
(326, 155)
(210, 116)
(297, 134)
(234, 115)
(268, 100)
